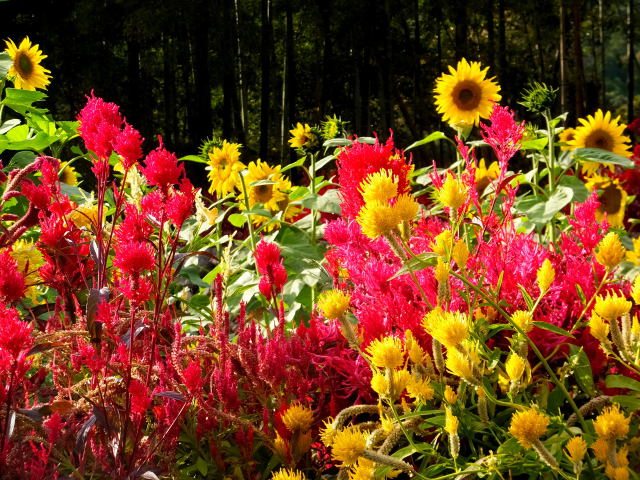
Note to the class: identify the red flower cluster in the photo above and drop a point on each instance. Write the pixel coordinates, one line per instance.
(270, 265)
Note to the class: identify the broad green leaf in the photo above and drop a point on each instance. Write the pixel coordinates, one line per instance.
(535, 144)
(324, 161)
(337, 142)
(580, 192)
(22, 100)
(553, 328)
(432, 137)
(5, 64)
(237, 219)
(620, 381)
(328, 202)
(295, 164)
(601, 156)
(192, 158)
(8, 125)
(20, 160)
(540, 211)
(582, 371)
(259, 183)
(627, 401)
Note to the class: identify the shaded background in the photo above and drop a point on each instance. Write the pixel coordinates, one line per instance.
(247, 70)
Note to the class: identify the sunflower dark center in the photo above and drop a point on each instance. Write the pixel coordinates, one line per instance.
(467, 95)
(610, 200)
(600, 139)
(264, 193)
(24, 65)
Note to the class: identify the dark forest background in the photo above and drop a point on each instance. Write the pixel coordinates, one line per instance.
(247, 70)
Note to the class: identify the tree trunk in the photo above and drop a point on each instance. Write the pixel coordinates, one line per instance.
(578, 66)
(462, 30)
(288, 88)
(228, 72)
(603, 86)
(562, 57)
(202, 125)
(327, 52)
(265, 87)
(169, 90)
(242, 94)
(491, 35)
(502, 41)
(631, 61)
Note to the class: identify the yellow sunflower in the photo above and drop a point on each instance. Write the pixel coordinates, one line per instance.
(270, 188)
(466, 95)
(224, 165)
(301, 136)
(485, 174)
(68, 174)
(600, 131)
(612, 198)
(26, 71)
(565, 136)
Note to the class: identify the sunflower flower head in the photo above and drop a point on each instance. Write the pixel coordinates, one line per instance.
(224, 166)
(612, 306)
(465, 95)
(528, 426)
(68, 174)
(546, 274)
(600, 131)
(333, 303)
(453, 193)
(485, 175)
(298, 418)
(565, 136)
(610, 251)
(612, 424)
(302, 136)
(348, 445)
(576, 448)
(539, 97)
(26, 71)
(386, 352)
(611, 196)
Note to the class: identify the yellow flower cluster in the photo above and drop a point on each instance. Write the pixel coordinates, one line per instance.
(384, 209)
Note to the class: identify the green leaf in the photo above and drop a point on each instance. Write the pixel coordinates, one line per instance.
(582, 370)
(328, 202)
(419, 262)
(628, 401)
(620, 381)
(553, 328)
(337, 142)
(20, 160)
(540, 211)
(295, 164)
(580, 192)
(237, 219)
(601, 156)
(322, 162)
(192, 158)
(22, 100)
(8, 125)
(535, 144)
(527, 298)
(5, 64)
(432, 137)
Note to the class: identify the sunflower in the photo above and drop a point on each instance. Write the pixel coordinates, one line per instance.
(302, 136)
(26, 71)
(29, 260)
(68, 174)
(484, 175)
(565, 136)
(266, 185)
(612, 198)
(600, 131)
(224, 165)
(466, 95)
